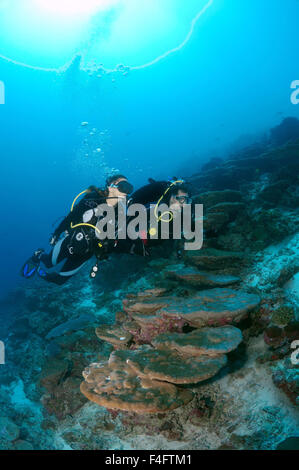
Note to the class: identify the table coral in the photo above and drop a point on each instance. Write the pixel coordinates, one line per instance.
(147, 378)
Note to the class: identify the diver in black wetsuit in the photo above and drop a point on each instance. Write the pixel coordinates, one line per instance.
(174, 194)
(74, 241)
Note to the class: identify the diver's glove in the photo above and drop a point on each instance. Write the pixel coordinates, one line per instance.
(54, 237)
(53, 240)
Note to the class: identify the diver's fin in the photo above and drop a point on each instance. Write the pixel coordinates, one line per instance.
(41, 272)
(32, 264)
(29, 269)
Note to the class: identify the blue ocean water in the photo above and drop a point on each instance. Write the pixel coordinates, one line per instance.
(151, 89)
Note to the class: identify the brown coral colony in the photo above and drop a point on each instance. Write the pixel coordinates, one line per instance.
(153, 357)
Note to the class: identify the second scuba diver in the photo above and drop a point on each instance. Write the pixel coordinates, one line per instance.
(175, 194)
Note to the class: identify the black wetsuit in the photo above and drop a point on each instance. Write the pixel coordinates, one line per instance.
(148, 196)
(76, 245)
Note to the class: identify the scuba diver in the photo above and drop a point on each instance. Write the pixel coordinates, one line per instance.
(175, 194)
(74, 241)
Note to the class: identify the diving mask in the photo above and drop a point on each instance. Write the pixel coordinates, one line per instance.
(123, 187)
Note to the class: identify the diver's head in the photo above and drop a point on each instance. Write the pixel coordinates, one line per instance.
(179, 195)
(117, 187)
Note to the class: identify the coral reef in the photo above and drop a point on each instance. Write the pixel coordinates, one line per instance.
(210, 307)
(199, 278)
(286, 377)
(286, 131)
(198, 350)
(115, 385)
(139, 379)
(206, 341)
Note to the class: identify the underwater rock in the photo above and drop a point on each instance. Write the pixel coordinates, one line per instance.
(292, 285)
(213, 259)
(52, 349)
(234, 173)
(270, 161)
(23, 445)
(64, 399)
(231, 209)
(71, 325)
(284, 156)
(286, 377)
(205, 341)
(243, 163)
(261, 318)
(53, 373)
(231, 240)
(61, 376)
(273, 193)
(9, 431)
(200, 278)
(274, 336)
(292, 331)
(116, 386)
(215, 221)
(212, 163)
(274, 262)
(61, 379)
(221, 179)
(287, 130)
(291, 443)
(211, 198)
(249, 149)
(258, 229)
